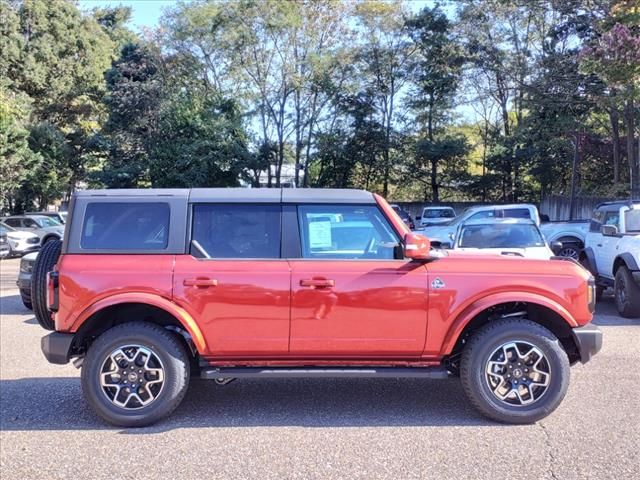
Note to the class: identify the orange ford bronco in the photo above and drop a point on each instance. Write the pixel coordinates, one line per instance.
(151, 287)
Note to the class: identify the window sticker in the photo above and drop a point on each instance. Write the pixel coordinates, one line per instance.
(319, 234)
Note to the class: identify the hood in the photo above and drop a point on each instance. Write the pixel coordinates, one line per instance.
(540, 253)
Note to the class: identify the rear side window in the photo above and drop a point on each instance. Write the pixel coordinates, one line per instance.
(125, 226)
(514, 213)
(236, 231)
(345, 232)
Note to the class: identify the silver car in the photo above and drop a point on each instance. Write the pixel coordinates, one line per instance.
(45, 228)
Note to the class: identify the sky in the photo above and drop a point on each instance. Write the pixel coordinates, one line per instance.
(147, 13)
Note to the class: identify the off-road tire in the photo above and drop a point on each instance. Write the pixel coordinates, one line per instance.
(477, 353)
(626, 294)
(162, 343)
(44, 263)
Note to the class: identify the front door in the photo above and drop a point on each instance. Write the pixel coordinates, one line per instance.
(351, 295)
(234, 282)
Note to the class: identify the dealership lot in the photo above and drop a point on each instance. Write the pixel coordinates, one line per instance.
(364, 428)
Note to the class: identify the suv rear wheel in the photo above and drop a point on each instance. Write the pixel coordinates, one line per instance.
(627, 293)
(514, 371)
(135, 374)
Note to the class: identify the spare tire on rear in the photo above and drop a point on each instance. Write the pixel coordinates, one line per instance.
(44, 263)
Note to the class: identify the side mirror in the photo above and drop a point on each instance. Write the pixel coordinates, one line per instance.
(416, 247)
(609, 230)
(556, 247)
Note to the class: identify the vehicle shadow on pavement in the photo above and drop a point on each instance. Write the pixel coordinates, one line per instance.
(607, 314)
(57, 404)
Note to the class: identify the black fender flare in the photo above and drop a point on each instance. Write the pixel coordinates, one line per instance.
(591, 261)
(627, 259)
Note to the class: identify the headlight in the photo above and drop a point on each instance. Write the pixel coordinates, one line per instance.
(33, 240)
(26, 266)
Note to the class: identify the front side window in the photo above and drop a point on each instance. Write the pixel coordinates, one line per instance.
(125, 226)
(236, 231)
(612, 218)
(345, 232)
(48, 222)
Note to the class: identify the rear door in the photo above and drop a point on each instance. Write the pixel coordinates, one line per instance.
(351, 294)
(233, 280)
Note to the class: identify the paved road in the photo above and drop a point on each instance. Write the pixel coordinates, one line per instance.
(306, 429)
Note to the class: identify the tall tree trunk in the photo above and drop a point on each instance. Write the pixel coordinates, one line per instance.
(435, 193)
(634, 168)
(614, 118)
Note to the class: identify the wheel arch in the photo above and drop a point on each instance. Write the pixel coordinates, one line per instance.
(625, 259)
(533, 307)
(123, 308)
(49, 236)
(568, 237)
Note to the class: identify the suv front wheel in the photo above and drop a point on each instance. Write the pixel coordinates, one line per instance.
(627, 293)
(135, 374)
(514, 371)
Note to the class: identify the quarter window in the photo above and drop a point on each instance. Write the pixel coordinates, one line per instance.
(236, 231)
(345, 232)
(125, 226)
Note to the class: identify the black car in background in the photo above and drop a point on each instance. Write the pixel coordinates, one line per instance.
(404, 215)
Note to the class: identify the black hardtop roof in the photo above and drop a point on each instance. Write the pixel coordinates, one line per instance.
(241, 195)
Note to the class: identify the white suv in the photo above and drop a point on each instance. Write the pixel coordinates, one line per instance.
(612, 253)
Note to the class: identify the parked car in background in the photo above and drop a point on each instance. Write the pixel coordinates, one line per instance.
(46, 228)
(571, 234)
(5, 250)
(436, 216)
(503, 236)
(405, 216)
(612, 253)
(19, 242)
(59, 216)
(24, 278)
(445, 234)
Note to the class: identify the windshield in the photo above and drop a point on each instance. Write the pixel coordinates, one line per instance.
(500, 236)
(438, 213)
(632, 220)
(4, 228)
(47, 222)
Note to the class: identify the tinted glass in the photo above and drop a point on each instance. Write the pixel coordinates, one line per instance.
(439, 213)
(48, 222)
(13, 222)
(612, 218)
(30, 223)
(500, 236)
(125, 226)
(514, 213)
(345, 232)
(237, 231)
(484, 214)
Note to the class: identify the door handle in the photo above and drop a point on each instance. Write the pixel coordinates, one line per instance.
(200, 282)
(599, 244)
(317, 283)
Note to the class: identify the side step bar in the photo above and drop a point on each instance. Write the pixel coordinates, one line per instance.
(324, 372)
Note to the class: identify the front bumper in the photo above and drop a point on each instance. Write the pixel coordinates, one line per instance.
(588, 340)
(56, 347)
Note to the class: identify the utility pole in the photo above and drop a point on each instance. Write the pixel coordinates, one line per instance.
(574, 173)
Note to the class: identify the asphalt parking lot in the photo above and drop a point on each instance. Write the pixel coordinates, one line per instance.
(321, 428)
